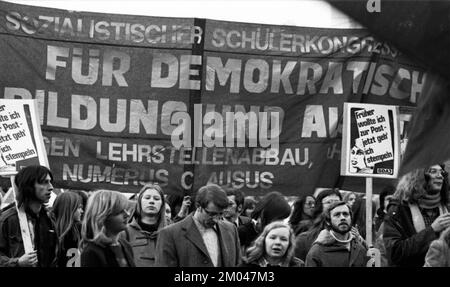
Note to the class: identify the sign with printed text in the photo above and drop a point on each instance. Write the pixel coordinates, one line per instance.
(124, 100)
(371, 141)
(21, 141)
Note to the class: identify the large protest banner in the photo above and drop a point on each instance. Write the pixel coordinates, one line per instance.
(124, 100)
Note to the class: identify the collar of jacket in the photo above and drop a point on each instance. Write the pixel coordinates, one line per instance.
(325, 238)
(135, 225)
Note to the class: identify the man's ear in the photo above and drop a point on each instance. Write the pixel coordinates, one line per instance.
(239, 208)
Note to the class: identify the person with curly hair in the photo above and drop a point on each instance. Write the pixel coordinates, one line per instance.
(418, 215)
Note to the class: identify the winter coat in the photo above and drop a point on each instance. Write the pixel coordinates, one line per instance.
(247, 234)
(304, 241)
(11, 243)
(181, 245)
(142, 242)
(327, 252)
(98, 255)
(404, 246)
(303, 226)
(438, 254)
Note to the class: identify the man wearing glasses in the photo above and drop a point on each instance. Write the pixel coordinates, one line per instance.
(202, 239)
(418, 217)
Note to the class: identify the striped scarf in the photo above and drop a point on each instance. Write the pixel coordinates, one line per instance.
(430, 201)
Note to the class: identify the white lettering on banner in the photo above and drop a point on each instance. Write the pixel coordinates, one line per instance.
(56, 58)
(314, 122)
(272, 39)
(213, 128)
(60, 146)
(239, 179)
(252, 75)
(105, 30)
(229, 156)
(91, 173)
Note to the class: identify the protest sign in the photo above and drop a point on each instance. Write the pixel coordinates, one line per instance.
(21, 141)
(125, 100)
(371, 141)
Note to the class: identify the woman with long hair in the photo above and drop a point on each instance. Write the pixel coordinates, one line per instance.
(148, 218)
(272, 207)
(301, 218)
(417, 215)
(273, 247)
(66, 214)
(105, 217)
(350, 198)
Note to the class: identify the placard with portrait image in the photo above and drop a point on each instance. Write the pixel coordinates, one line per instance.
(370, 140)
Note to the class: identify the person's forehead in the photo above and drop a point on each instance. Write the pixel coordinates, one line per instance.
(331, 196)
(436, 166)
(150, 191)
(212, 207)
(279, 231)
(339, 209)
(232, 197)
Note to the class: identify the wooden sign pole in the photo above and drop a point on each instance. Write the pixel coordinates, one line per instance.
(24, 228)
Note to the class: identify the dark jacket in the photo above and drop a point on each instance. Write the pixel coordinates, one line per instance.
(70, 242)
(327, 252)
(97, 255)
(295, 262)
(404, 246)
(11, 243)
(247, 234)
(244, 220)
(302, 226)
(304, 241)
(181, 245)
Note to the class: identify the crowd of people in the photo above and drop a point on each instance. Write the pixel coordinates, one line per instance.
(219, 226)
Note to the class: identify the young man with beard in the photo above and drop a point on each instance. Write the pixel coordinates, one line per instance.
(34, 185)
(418, 216)
(336, 246)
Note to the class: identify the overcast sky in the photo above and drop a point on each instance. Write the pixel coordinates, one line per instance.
(312, 13)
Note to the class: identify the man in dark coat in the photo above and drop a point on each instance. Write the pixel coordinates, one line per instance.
(336, 246)
(34, 190)
(236, 205)
(202, 239)
(418, 218)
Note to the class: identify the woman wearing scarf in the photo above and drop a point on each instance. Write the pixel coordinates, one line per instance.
(419, 216)
(148, 218)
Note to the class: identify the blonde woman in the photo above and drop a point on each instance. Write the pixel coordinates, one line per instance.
(105, 217)
(274, 247)
(148, 218)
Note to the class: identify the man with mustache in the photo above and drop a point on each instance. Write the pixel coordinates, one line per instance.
(336, 246)
(34, 185)
(417, 216)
